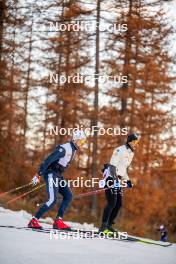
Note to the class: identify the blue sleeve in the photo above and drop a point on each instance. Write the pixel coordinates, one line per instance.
(58, 153)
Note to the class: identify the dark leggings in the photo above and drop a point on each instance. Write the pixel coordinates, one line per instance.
(114, 203)
(53, 187)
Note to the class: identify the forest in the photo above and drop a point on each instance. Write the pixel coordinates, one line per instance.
(99, 64)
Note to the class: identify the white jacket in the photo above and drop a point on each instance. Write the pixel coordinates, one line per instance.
(121, 159)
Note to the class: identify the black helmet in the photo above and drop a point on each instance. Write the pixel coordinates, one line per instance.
(132, 137)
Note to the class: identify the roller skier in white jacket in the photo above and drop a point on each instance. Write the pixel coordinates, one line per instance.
(114, 172)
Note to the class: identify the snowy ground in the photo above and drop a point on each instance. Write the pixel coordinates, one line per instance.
(29, 247)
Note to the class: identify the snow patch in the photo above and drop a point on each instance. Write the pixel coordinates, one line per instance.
(23, 215)
(29, 247)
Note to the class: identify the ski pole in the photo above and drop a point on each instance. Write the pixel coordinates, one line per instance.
(89, 193)
(15, 189)
(24, 194)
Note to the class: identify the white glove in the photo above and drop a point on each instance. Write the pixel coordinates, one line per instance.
(35, 180)
(102, 183)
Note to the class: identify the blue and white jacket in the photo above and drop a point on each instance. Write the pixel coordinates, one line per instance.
(59, 159)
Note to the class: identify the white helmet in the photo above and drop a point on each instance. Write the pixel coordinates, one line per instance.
(78, 135)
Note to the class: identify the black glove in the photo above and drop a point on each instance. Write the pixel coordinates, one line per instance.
(129, 184)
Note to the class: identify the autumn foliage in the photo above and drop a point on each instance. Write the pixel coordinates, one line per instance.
(30, 104)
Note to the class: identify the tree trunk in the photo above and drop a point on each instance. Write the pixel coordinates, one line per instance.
(95, 116)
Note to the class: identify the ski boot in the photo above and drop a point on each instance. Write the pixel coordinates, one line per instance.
(34, 224)
(104, 230)
(110, 227)
(59, 224)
